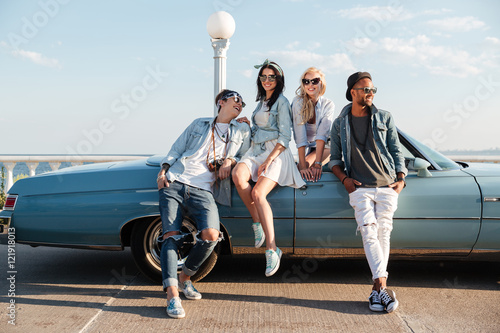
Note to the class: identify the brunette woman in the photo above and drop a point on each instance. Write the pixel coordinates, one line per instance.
(269, 160)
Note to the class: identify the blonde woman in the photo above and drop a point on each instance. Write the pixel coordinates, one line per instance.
(312, 116)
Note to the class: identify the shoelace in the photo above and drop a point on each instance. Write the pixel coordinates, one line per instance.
(257, 231)
(375, 297)
(384, 296)
(269, 260)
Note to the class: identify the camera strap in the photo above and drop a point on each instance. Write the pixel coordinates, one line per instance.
(225, 140)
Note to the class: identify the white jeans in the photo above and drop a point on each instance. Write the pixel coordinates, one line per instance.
(373, 210)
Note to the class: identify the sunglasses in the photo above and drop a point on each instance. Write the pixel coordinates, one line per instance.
(314, 81)
(233, 94)
(238, 99)
(367, 90)
(271, 78)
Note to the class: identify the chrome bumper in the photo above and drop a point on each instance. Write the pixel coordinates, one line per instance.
(5, 217)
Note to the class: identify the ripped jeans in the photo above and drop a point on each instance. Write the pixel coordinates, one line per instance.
(176, 202)
(373, 210)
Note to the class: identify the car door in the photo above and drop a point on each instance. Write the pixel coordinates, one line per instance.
(437, 214)
(324, 220)
(238, 222)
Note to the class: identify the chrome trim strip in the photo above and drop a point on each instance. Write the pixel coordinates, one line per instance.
(260, 250)
(352, 218)
(75, 246)
(394, 218)
(491, 199)
(359, 252)
(149, 203)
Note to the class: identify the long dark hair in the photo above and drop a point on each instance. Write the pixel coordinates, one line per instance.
(280, 84)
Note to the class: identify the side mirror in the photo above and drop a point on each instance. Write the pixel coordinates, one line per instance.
(421, 166)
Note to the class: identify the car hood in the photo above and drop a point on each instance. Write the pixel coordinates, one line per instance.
(155, 160)
(483, 169)
(129, 175)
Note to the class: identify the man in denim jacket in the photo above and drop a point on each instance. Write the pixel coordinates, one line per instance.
(194, 174)
(367, 158)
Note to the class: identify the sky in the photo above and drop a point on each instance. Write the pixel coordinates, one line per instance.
(109, 77)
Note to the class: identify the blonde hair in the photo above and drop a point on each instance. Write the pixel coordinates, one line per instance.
(307, 108)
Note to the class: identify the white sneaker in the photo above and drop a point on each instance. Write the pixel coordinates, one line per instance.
(374, 302)
(388, 299)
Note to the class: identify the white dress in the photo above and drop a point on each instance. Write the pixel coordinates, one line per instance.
(282, 170)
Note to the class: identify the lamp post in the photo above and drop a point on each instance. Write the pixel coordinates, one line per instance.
(220, 27)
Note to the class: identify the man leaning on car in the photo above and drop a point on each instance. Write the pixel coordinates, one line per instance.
(372, 172)
(194, 174)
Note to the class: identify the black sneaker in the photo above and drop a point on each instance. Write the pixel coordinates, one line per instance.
(374, 302)
(388, 299)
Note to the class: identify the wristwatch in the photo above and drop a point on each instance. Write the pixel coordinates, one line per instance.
(317, 164)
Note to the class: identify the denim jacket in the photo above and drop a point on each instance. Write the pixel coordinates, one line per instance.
(385, 135)
(191, 141)
(278, 127)
(324, 118)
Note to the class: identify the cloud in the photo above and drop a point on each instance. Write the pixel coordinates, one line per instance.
(492, 40)
(34, 57)
(438, 60)
(313, 45)
(292, 45)
(328, 63)
(37, 58)
(379, 13)
(246, 73)
(457, 24)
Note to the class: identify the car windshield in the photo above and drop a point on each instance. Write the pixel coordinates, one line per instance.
(444, 162)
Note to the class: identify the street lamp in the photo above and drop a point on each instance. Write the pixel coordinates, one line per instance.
(220, 27)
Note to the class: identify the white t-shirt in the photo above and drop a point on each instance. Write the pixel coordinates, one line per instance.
(196, 172)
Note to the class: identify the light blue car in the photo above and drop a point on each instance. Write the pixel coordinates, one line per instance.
(448, 210)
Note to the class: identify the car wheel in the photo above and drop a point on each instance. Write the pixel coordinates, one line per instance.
(146, 249)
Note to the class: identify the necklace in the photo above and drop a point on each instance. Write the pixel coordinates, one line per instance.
(222, 136)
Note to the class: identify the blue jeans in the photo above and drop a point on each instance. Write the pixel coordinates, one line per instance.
(176, 202)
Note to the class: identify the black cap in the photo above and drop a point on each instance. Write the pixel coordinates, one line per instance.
(351, 81)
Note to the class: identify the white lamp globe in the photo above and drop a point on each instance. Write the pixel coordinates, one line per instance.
(221, 25)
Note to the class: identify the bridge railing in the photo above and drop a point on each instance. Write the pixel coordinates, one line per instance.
(54, 161)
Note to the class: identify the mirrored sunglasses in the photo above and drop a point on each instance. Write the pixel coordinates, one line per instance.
(271, 78)
(238, 99)
(314, 81)
(367, 90)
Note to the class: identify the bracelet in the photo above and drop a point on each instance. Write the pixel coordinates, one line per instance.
(160, 177)
(404, 181)
(344, 179)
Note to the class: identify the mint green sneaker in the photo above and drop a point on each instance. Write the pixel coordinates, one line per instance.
(174, 308)
(259, 235)
(272, 261)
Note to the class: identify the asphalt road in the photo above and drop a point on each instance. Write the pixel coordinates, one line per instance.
(67, 290)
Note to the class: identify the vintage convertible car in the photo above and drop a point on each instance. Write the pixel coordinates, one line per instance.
(448, 210)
